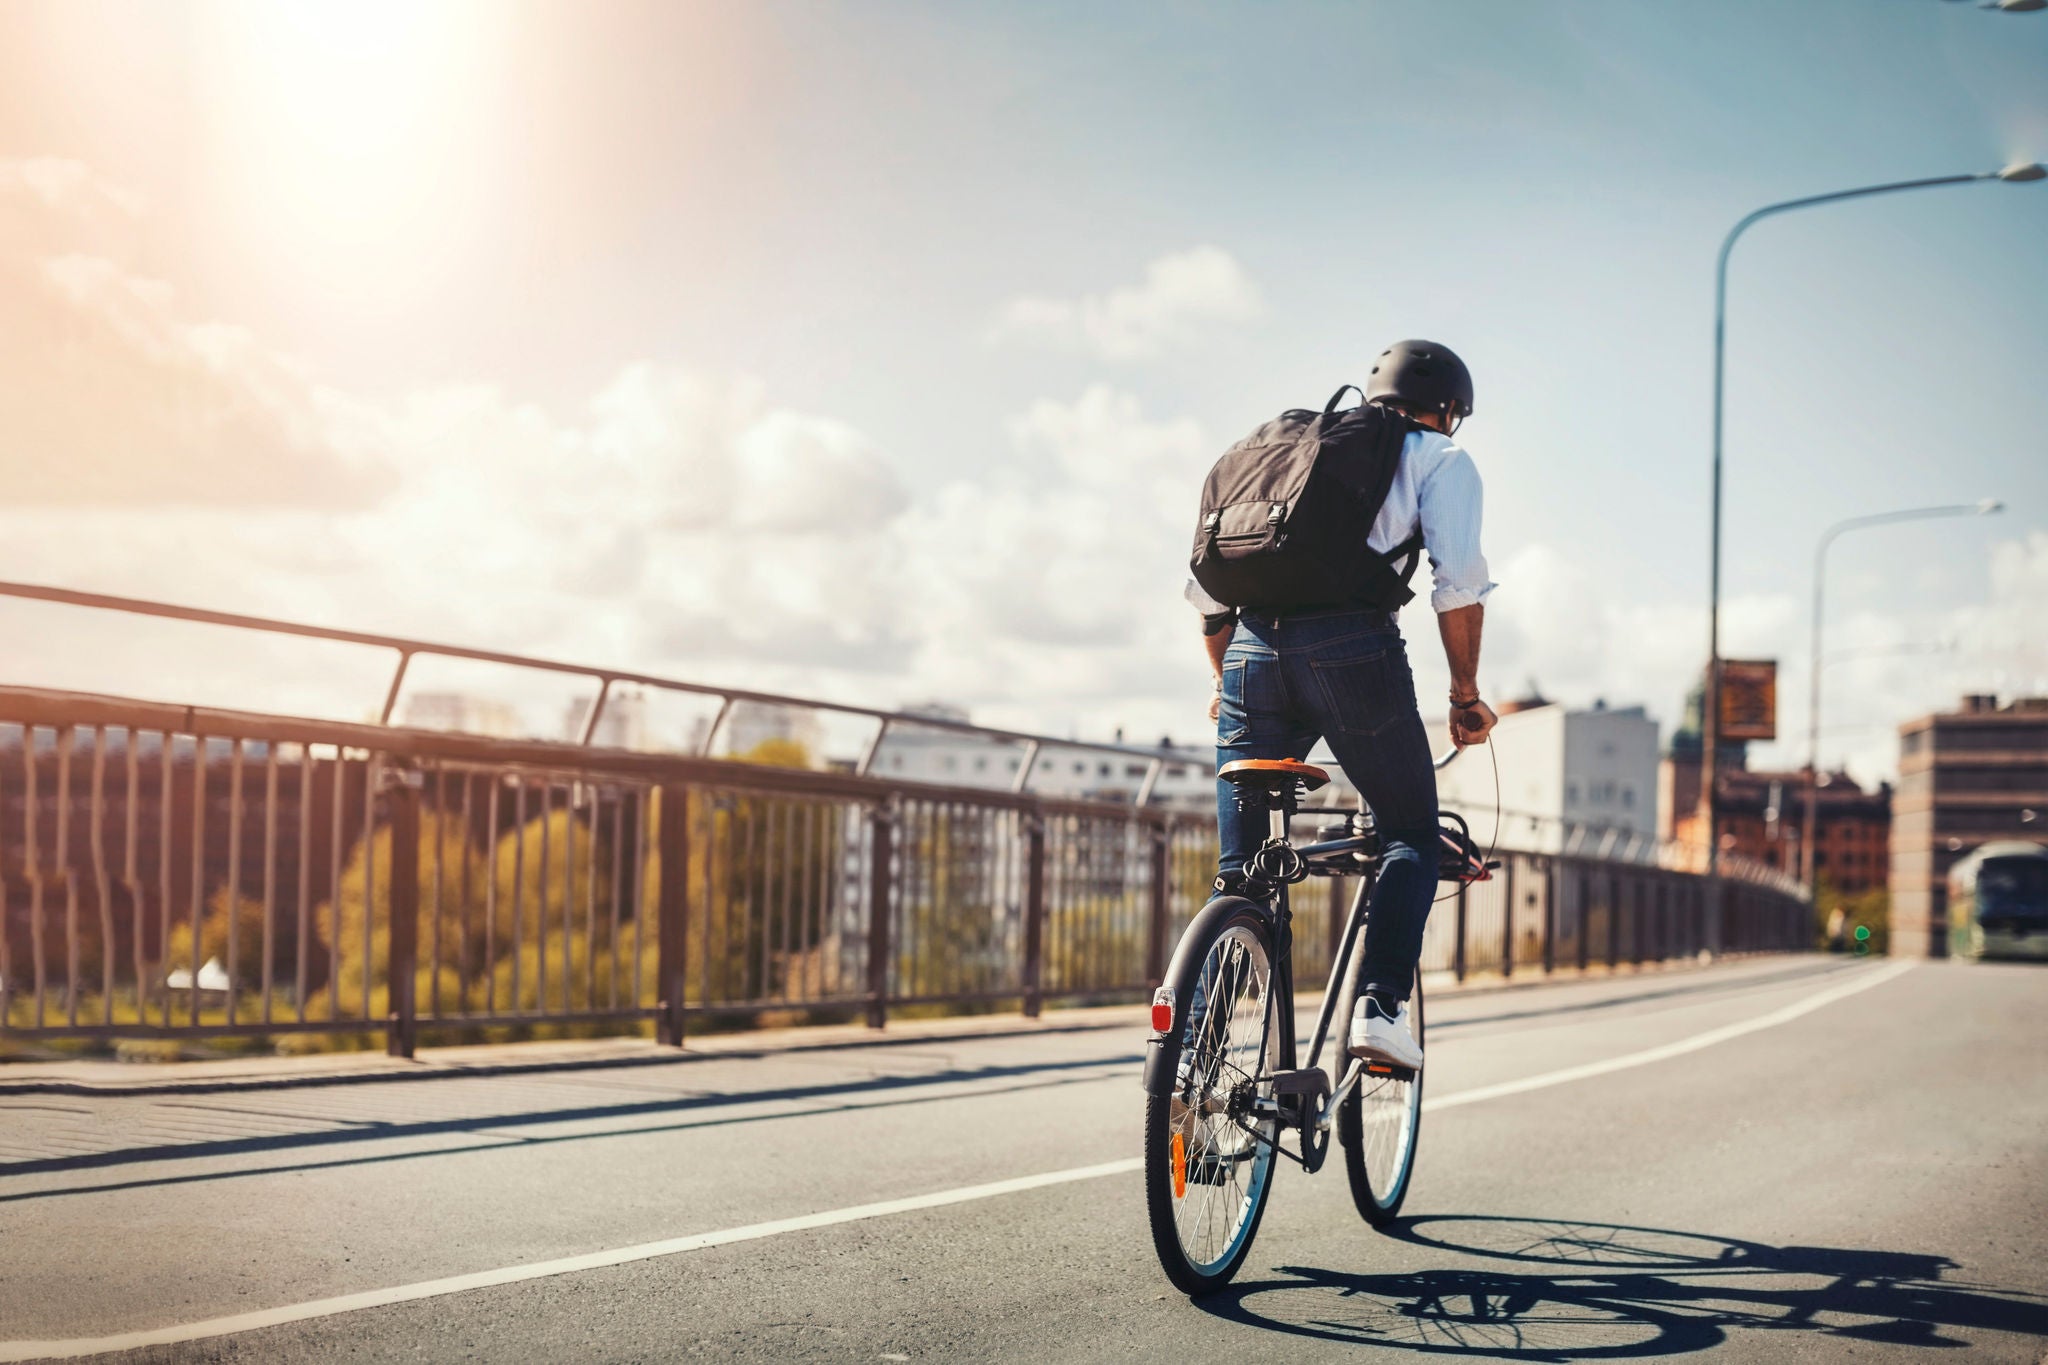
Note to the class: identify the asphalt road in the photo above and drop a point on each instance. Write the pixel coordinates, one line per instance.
(1867, 1179)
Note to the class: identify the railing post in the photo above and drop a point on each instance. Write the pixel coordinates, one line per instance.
(1636, 919)
(672, 912)
(1613, 920)
(1578, 882)
(1659, 948)
(401, 964)
(1549, 916)
(1034, 913)
(1458, 954)
(882, 850)
(1507, 918)
(1155, 937)
(1713, 915)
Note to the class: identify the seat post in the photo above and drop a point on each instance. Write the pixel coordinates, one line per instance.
(1276, 822)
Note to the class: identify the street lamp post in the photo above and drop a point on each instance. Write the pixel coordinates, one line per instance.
(1808, 864)
(2017, 172)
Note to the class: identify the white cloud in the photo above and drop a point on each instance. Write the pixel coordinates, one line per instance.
(1557, 624)
(108, 393)
(1183, 295)
(683, 522)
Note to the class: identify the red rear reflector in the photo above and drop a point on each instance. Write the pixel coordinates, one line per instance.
(1162, 1018)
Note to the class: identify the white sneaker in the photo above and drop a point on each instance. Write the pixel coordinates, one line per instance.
(1377, 1038)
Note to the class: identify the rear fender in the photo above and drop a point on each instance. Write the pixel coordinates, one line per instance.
(1162, 1051)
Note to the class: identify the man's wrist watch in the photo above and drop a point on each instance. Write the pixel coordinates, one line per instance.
(1465, 704)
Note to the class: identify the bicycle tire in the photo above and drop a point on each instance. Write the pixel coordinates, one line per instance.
(1207, 1177)
(1380, 1127)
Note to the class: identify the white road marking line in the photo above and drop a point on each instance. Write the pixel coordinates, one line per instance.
(1669, 1050)
(484, 1279)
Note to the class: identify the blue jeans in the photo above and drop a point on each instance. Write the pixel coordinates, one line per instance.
(1341, 676)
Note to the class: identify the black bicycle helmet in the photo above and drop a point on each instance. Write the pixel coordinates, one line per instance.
(1421, 376)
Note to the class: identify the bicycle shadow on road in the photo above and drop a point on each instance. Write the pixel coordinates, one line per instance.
(1593, 1291)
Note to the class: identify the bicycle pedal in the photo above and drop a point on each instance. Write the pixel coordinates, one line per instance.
(1313, 1082)
(1388, 1071)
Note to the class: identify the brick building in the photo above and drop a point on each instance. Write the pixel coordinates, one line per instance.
(1763, 817)
(1763, 814)
(1966, 777)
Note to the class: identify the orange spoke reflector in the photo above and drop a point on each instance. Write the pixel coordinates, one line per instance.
(1180, 1167)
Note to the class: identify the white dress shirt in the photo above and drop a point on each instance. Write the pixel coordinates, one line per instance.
(1436, 490)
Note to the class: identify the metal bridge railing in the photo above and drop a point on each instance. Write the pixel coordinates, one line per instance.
(605, 679)
(173, 871)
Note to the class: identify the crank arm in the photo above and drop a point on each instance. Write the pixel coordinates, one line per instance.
(1352, 1075)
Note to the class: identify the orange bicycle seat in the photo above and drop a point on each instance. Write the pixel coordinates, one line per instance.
(1271, 772)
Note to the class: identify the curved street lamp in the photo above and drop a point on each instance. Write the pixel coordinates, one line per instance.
(1809, 869)
(2018, 172)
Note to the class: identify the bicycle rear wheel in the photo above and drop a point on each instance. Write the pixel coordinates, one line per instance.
(1379, 1127)
(1209, 1142)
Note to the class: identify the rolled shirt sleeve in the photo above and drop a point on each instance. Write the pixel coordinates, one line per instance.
(1201, 601)
(1449, 504)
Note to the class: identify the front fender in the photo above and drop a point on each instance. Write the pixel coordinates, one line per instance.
(1162, 1051)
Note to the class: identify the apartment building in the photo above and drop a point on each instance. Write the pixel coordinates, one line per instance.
(1966, 777)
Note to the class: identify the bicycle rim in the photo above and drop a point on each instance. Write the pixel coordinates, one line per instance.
(1380, 1127)
(1208, 1172)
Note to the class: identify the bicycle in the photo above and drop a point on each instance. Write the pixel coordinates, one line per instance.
(1222, 1079)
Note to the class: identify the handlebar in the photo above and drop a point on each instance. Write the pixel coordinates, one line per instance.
(1458, 856)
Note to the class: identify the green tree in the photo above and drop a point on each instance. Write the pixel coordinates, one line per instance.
(1870, 909)
(551, 896)
(1097, 918)
(763, 878)
(959, 905)
(245, 963)
(357, 923)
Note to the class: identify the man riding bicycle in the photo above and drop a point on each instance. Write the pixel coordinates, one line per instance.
(1298, 576)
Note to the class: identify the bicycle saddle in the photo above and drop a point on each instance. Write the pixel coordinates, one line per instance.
(1272, 773)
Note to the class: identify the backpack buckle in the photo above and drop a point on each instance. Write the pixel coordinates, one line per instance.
(1279, 513)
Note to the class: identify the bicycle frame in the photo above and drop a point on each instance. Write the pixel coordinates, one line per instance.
(1318, 1110)
(1163, 1050)
(1317, 1107)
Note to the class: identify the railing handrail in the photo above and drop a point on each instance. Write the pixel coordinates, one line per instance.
(54, 709)
(604, 677)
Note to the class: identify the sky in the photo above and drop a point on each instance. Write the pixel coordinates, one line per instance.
(876, 351)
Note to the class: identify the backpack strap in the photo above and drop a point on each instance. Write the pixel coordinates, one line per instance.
(1412, 548)
(1331, 406)
(1388, 584)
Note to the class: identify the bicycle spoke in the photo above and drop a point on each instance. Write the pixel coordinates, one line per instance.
(1225, 1052)
(1388, 1112)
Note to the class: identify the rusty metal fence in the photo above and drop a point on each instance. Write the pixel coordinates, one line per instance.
(168, 871)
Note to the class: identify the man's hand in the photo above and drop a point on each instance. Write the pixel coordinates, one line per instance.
(1471, 719)
(1472, 724)
(1215, 643)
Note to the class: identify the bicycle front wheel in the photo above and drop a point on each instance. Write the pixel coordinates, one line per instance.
(1379, 1127)
(1209, 1142)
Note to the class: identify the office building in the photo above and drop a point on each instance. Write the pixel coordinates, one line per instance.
(1966, 777)
(1559, 767)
